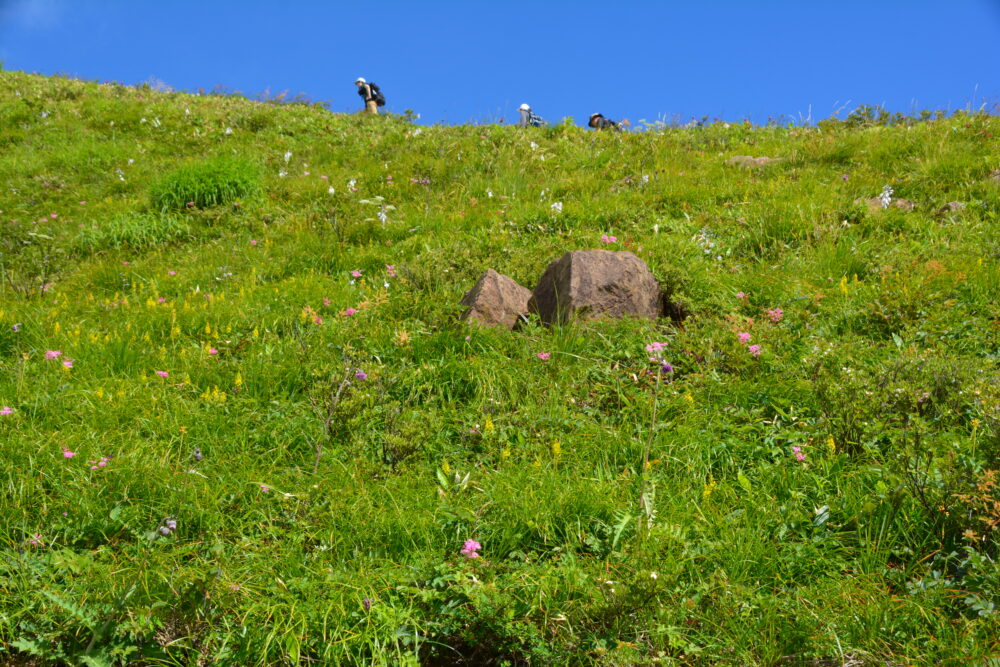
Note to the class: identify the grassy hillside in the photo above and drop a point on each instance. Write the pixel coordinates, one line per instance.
(240, 422)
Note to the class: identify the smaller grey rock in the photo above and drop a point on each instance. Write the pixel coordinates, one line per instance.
(951, 207)
(750, 161)
(495, 300)
(875, 204)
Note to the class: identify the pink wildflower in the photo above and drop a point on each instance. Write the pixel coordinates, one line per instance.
(54, 216)
(52, 355)
(350, 311)
(264, 488)
(68, 454)
(776, 314)
(470, 548)
(171, 272)
(35, 541)
(6, 410)
(391, 269)
(653, 348)
(361, 375)
(326, 301)
(744, 337)
(356, 273)
(163, 374)
(83, 203)
(544, 356)
(212, 350)
(608, 239)
(318, 320)
(754, 350)
(799, 454)
(742, 296)
(68, 363)
(253, 241)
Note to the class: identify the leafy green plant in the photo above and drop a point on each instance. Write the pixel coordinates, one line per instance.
(133, 230)
(216, 181)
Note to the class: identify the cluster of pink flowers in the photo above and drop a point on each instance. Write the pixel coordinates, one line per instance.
(608, 239)
(350, 311)
(94, 465)
(776, 314)
(743, 296)
(544, 356)
(67, 454)
(52, 355)
(356, 273)
(391, 270)
(744, 337)
(163, 374)
(799, 454)
(6, 410)
(655, 349)
(470, 548)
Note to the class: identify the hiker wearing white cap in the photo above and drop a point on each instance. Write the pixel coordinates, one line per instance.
(599, 122)
(528, 117)
(371, 94)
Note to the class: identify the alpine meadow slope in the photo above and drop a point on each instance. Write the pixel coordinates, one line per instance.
(241, 423)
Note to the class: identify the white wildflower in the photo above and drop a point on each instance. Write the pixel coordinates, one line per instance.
(229, 130)
(331, 190)
(886, 196)
(282, 173)
(288, 156)
(534, 145)
(557, 207)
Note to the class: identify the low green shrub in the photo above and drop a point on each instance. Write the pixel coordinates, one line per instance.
(135, 230)
(216, 181)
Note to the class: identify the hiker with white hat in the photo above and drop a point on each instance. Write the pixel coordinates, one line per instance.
(371, 94)
(528, 117)
(599, 122)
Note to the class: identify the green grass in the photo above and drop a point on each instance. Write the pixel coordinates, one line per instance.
(882, 370)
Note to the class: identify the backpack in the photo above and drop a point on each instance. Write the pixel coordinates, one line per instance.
(377, 95)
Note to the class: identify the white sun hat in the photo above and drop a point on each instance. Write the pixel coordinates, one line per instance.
(360, 80)
(524, 107)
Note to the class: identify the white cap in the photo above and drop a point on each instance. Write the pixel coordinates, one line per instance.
(524, 107)
(594, 114)
(360, 80)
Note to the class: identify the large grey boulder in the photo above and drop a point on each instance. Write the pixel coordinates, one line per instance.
(590, 284)
(496, 300)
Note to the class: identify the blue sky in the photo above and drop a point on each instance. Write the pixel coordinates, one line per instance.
(474, 61)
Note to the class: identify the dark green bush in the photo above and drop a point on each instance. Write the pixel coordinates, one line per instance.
(216, 181)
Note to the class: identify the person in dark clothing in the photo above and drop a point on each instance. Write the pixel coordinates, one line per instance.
(528, 117)
(365, 91)
(599, 122)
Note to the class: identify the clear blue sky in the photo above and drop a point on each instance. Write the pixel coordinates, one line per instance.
(476, 61)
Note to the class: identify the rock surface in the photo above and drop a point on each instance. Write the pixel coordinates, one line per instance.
(951, 207)
(875, 204)
(496, 300)
(590, 284)
(750, 161)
